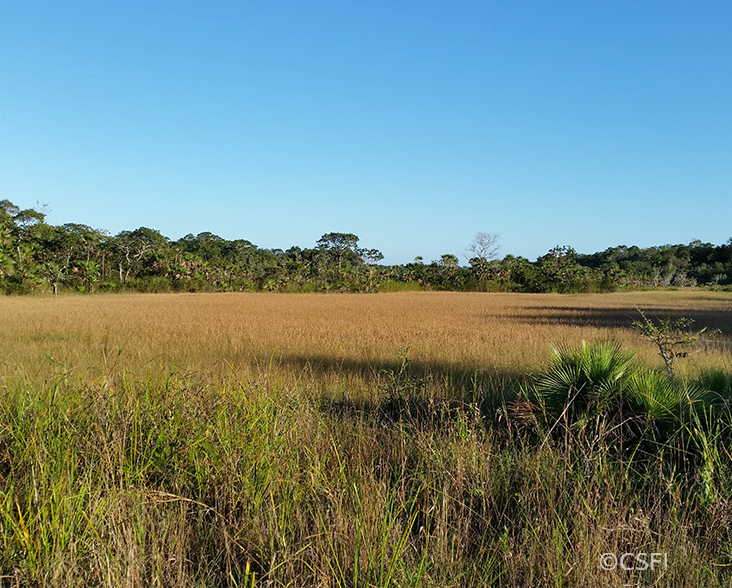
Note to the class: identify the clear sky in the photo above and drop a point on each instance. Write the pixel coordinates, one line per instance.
(411, 124)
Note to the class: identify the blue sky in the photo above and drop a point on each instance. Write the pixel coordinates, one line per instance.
(411, 124)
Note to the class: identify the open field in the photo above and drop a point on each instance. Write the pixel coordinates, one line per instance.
(337, 334)
(279, 440)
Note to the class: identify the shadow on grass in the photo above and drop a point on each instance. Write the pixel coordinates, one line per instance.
(622, 318)
(421, 393)
(455, 379)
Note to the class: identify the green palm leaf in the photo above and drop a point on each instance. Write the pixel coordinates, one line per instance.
(590, 377)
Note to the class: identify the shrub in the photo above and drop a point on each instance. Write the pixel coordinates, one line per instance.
(589, 380)
(672, 337)
(603, 384)
(718, 382)
(668, 405)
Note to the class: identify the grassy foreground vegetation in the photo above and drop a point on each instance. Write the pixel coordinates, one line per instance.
(406, 439)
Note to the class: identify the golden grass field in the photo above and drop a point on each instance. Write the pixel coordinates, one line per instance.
(294, 335)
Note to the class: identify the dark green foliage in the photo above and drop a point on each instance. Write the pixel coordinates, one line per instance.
(74, 257)
(716, 381)
(668, 265)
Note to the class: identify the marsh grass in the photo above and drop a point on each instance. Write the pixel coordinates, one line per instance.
(249, 441)
(328, 339)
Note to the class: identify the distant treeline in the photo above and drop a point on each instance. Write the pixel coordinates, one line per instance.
(36, 256)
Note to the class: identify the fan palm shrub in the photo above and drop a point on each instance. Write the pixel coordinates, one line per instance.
(602, 383)
(584, 381)
(669, 405)
(716, 381)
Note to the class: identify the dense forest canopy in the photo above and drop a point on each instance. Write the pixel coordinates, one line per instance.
(36, 256)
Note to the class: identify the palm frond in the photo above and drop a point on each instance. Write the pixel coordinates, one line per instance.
(590, 376)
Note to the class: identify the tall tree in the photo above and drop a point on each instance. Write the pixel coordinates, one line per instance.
(371, 257)
(341, 245)
(134, 248)
(484, 247)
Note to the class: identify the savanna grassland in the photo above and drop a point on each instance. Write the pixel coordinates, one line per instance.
(348, 440)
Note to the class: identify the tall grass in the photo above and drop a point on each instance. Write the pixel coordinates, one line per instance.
(172, 482)
(131, 456)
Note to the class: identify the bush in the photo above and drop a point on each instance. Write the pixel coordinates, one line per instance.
(716, 381)
(668, 405)
(603, 383)
(588, 380)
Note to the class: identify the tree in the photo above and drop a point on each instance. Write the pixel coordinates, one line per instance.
(340, 245)
(672, 337)
(484, 247)
(134, 247)
(517, 273)
(7, 263)
(59, 248)
(561, 272)
(24, 226)
(371, 257)
(448, 260)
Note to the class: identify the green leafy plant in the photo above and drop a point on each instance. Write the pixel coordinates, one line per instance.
(586, 380)
(604, 385)
(717, 381)
(668, 403)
